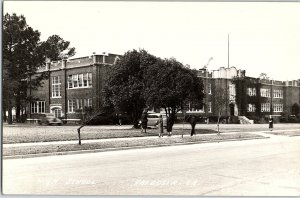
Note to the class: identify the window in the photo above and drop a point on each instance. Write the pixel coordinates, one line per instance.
(277, 93)
(251, 108)
(70, 82)
(265, 107)
(79, 103)
(75, 80)
(56, 87)
(209, 88)
(87, 102)
(277, 107)
(71, 105)
(85, 80)
(251, 91)
(232, 92)
(265, 92)
(75, 104)
(38, 107)
(209, 107)
(89, 79)
(80, 80)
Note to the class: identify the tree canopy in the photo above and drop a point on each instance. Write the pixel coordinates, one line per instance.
(171, 85)
(56, 48)
(23, 54)
(142, 80)
(125, 83)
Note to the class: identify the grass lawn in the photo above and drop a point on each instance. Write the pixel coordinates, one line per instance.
(66, 133)
(125, 143)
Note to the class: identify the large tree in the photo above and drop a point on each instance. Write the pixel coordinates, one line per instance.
(170, 85)
(56, 48)
(20, 46)
(23, 54)
(125, 83)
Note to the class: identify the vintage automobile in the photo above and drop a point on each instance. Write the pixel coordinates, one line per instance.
(153, 120)
(50, 119)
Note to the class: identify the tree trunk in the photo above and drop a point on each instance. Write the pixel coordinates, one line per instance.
(18, 111)
(4, 114)
(135, 118)
(9, 108)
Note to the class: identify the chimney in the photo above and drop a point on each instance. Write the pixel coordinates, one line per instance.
(104, 54)
(48, 65)
(63, 63)
(94, 58)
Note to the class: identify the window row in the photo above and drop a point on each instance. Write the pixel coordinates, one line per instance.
(80, 80)
(38, 107)
(75, 104)
(265, 107)
(264, 92)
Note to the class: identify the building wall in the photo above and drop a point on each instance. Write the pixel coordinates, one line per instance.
(97, 65)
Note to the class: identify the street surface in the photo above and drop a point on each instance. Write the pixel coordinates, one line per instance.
(253, 167)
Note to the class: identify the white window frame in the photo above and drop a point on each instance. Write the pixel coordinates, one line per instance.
(265, 92)
(209, 109)
(75, 80)
(277, 93)
(251, 91)
(87, 102)
(265, 107)
(71, 105)
(38, 107)
(56, 87)
(70, 82)
(277, 107)
(251, 108)
(82, 80)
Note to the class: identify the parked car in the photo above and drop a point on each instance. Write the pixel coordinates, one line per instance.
(153, 120)
(49, 119)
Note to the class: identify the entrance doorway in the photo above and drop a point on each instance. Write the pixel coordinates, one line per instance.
(57, 112)
(231, 106)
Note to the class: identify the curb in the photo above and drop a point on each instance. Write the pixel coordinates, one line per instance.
(122, 148)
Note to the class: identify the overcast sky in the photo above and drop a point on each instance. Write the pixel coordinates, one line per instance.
(264, 37)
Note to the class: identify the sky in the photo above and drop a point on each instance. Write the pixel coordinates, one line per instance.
(263, 37)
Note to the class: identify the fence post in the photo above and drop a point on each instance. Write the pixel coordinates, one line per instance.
(78, 130)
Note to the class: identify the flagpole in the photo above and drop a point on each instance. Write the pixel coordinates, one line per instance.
(228, 51)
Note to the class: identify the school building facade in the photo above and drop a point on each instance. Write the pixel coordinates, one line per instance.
(77, 83)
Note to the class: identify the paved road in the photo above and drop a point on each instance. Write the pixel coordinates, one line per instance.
(253, 167)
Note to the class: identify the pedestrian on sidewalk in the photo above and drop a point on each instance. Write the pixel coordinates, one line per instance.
(271, 122)
(144, 120)
(193, 121)
(160, 126)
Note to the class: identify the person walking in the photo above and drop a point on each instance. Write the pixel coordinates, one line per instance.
(160, 126)
(271, 122)
(120, 119)
(192, 120)
(144, 120)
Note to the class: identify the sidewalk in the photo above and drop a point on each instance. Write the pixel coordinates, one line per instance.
(266, 133)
